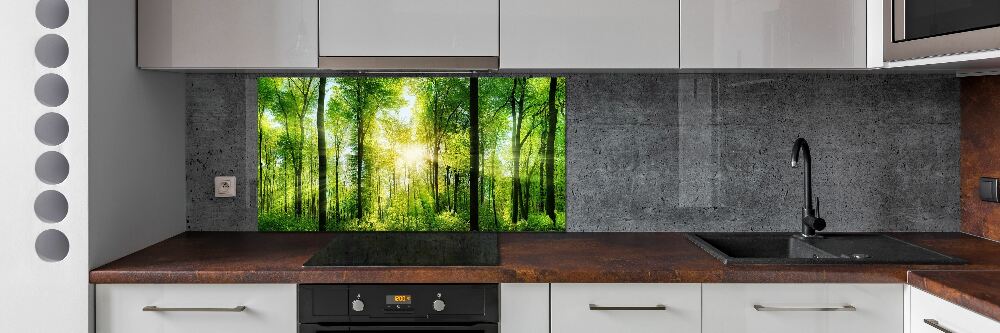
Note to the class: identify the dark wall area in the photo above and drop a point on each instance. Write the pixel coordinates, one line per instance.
(684, 152)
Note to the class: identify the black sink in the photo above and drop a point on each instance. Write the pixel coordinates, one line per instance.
(834, 248)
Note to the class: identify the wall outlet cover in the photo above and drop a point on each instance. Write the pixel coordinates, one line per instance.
(988, 189)
(225, 187)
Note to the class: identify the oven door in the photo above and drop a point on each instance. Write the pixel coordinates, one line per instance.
(473, 328)
(927, 28)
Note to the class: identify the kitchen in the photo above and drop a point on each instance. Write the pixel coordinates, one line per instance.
(500, 166)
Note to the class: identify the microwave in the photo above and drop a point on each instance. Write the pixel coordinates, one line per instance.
(915, 29)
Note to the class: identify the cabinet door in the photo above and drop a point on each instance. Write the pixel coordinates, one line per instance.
(227, 33)
(409, 28)
(589, 34)
(773, 34)
(930, 314)
(803, 308)
(189, 308)
(634, 308)
(524, 308)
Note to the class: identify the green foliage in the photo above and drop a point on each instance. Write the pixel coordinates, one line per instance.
(398, 154)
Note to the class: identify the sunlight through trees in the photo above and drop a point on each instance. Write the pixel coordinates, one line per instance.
(411, 154)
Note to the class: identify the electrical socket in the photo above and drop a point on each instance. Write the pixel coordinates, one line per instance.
(225, 187)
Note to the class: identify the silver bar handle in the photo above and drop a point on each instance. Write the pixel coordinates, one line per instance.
(595, 307)
(759, 307)
(154, 308)
(935, 324)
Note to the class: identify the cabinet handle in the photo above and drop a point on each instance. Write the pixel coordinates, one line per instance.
(759, 307)
(154, 308)
(595, 307)
(935, 324)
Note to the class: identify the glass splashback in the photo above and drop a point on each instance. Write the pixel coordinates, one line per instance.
(411, 154)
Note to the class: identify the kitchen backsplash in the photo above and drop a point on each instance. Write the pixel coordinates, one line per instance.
(981, 149)
(682, 152)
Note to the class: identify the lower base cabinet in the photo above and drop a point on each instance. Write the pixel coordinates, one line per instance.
(524, 308)
(195, 308)
(634, 308)
(930, 314)
(570, 308)
(803, 308)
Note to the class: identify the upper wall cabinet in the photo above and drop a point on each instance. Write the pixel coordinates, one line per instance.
(780, 34)
(409, 34)
(589, 34)
(220, 34)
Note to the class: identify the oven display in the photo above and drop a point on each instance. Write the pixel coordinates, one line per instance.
(398, 299)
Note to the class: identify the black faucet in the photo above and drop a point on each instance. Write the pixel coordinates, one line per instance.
(811, 222)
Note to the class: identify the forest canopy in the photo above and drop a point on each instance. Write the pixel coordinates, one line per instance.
(411, 154)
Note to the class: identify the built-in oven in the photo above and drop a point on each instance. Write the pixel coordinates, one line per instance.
(401, 308)
(916, 29)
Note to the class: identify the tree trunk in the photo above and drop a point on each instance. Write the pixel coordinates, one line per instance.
(515, 145)
(541, 185)
(284, 176)
(493, 188)
(261, 193)
(482, 176)
(321, 153)
(437, 146)
(447, 183)
(550, 154)
(474, 154)
(305, 92)
(517, 157)
(336, 184)
(360, 97)
(454, 190)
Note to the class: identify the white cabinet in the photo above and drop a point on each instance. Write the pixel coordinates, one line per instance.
(930, 314)
(803, 308)
(409, 28)
(634, 308)
(220, 34)
(589, 34)
(195, 308)
(524, 307)
(779, 34)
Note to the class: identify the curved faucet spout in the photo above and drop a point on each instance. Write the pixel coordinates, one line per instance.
(810, 222)
(807, 189)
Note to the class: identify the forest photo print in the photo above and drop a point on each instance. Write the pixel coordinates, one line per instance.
(411, 154)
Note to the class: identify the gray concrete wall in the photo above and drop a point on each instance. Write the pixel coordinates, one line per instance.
(221, 141)
(685, 152)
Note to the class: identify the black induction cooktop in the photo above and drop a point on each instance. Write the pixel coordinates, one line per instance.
(409, 249)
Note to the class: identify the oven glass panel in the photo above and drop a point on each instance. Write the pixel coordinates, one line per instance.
(929, 18)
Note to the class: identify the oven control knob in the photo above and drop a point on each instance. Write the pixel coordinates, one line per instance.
(358, 305)
(438, 305)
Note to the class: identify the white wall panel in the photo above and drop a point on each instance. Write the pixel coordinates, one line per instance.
(39, 295)
(137, 122)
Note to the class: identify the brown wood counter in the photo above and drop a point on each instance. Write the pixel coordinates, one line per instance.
(978, 291)
(249, 257)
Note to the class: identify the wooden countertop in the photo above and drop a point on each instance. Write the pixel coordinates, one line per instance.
(250, 257)
(978, 291)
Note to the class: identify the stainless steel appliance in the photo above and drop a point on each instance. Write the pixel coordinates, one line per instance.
(468, 308)
(916, 29)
